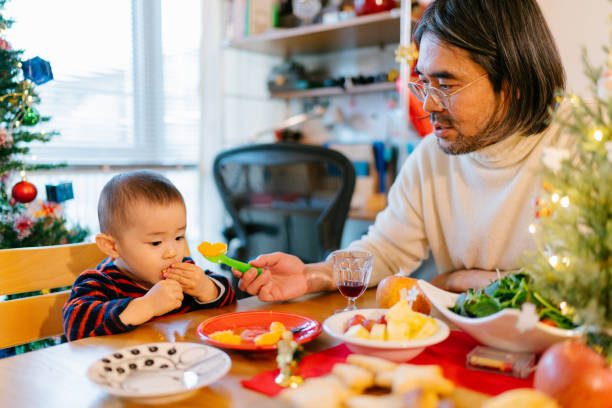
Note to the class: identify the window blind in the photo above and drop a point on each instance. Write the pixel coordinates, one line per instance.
(126, 78)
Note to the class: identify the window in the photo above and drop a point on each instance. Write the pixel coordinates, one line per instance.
(127, 74)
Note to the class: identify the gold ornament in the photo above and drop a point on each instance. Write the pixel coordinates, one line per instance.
(287, 364)
(407, 54)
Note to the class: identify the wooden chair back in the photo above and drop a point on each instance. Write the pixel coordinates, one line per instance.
(32, 269)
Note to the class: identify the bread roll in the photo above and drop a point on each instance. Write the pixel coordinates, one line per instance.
(374, 364)
(354, 377)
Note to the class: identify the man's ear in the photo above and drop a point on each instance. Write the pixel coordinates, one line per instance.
(108, 245)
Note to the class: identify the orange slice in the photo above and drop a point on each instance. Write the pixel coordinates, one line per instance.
(211, 250)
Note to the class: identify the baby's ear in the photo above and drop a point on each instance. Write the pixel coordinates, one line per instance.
(107, 244)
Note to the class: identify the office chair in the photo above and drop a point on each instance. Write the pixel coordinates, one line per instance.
(286, 197)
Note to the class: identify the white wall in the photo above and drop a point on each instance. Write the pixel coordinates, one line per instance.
(575, 24)
(236, 103)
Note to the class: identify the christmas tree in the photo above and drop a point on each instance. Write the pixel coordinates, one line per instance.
(41, 223)
(573, 265)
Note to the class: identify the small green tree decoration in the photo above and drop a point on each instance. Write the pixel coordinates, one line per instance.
(573, 265)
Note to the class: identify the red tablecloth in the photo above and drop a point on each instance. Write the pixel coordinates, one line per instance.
(449, 354)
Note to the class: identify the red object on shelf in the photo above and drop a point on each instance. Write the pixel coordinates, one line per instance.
(363, 7)
(417, 115)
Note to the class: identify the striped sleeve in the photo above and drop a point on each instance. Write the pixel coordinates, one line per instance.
(226, 292)
(93, 308)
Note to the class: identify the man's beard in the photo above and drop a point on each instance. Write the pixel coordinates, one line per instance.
(463, 144)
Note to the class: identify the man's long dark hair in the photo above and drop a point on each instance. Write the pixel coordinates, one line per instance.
(512, 42)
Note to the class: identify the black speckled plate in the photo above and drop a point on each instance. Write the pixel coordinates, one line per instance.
(159, 372)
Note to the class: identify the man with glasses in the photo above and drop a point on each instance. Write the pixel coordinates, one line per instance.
(488, 74)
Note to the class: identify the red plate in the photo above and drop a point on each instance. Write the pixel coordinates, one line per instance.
(253, 323)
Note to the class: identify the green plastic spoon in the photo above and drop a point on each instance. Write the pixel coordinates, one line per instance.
(216, 253)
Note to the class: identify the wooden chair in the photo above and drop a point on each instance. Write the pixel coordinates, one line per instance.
(32, 269)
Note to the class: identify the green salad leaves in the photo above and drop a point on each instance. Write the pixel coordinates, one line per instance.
(510, 291)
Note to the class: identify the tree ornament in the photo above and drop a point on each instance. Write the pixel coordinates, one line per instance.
(31, 117)
(6, 138)
(37, 70)
(4, 45)
(363, 7)
(24, 191)
(23, 226)
(287, 362)
(604, 85)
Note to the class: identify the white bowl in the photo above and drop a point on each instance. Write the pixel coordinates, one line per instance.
(398, 351)
(159, 372)
(498, 330)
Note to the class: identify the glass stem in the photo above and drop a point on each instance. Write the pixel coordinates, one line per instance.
(351, 303)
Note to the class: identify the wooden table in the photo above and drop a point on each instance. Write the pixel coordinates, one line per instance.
(56, 376)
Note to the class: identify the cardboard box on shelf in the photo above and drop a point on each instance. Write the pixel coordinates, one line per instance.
(261, 16)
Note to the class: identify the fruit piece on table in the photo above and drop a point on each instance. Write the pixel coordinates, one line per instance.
(575, 375)
(389, 290)
(378, 332)
(226, 336)
(277, 327)
(269, 338)
(521, 397)
(405, 324)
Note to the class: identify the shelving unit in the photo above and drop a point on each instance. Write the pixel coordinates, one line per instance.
(333, 91)
(369, 30)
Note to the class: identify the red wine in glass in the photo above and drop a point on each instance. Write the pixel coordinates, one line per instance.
(352, 273)
(351, 288)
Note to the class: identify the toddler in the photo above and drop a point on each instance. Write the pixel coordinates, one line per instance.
(142, 230)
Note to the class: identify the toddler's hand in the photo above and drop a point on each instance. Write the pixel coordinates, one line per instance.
(164, 296)
(193, 280)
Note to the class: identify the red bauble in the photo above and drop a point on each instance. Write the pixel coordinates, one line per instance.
(24, 192)
(372, 6)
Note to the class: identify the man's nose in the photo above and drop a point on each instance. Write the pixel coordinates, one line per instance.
(431, 104)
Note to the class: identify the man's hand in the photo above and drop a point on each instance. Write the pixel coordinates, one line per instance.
(193, 281)
(460, 281)
(164, 296)
(283, 277)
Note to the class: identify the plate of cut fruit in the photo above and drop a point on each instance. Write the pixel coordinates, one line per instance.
(397, 334)
(256, 330)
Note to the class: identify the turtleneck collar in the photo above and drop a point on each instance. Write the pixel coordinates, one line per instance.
(506, 152)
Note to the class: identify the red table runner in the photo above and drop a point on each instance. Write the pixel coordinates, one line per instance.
(449, 354)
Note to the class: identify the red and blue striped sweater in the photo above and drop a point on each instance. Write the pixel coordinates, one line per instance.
(100, 295)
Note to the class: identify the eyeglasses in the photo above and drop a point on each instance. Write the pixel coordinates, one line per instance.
(421, 91)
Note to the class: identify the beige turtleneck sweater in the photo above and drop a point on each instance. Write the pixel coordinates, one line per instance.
(472, 210)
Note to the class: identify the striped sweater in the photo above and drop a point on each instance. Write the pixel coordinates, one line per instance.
(100, 295)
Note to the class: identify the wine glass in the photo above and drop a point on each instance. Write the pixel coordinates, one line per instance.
(352, 271)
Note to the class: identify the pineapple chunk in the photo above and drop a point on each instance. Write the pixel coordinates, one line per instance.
(405, 324)
(428, 330)
(398, 331)
(378, 332)
(358, 331)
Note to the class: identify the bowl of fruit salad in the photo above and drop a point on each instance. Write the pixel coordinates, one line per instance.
(396, 334)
